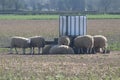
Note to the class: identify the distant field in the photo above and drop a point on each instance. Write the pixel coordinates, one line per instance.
(50, 29)
(58, 67)
(49, 17)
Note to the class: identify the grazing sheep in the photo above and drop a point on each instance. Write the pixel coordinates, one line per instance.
(61, 49)
(63, 40)
(47, 48)
(84, 43)
(100, 43)
(37, 41)
(19, 42)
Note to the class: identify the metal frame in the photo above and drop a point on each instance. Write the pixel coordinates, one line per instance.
(72, 25)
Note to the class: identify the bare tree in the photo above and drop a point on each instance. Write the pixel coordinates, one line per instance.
(3, 4)
(105, 5)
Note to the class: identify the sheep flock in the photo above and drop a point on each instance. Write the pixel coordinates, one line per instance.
(81, 44)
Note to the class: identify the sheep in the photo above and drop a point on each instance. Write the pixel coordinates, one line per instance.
(36, 41)
(85, 42)
(19, 42)
(61, 49)
(63, 40)
(47, 48)
(100, 42)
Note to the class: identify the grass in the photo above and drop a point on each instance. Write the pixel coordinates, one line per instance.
(114, 46)
(49, 30)
(28, 17)
(60, 67)
(51, 17)
(103, 16)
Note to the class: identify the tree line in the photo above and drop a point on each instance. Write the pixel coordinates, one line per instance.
(60, 5)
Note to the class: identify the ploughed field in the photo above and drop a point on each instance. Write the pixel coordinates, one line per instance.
(50, 29)
(59, 67)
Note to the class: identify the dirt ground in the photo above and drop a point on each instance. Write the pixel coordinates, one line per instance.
(50, 29)
(98, 66)
(99, 26)
(105, 26)
(84, 67)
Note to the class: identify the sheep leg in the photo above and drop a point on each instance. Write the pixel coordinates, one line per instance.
(81, 50)
(104, 50)
(90, 50)
(96, 49)
(87, 51)
(84, 50)
(33, 50)
(38, 50)
(99, 50)
(41, 50)
(23, 50)
(75, 49)
(16, 50)
(93, 50)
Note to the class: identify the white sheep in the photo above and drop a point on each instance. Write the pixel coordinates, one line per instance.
(64, 40)
(19, 42)
(100, 42)
(61, 49)
(37, 41)
(84, 42)
(47, 48)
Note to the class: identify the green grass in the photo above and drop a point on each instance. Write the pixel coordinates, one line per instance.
(49, 17)
(114, 46)
(28, 17)
(103, 16)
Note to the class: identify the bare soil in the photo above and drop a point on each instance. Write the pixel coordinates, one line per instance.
(38, 27)
(81, 66)
(40, 67)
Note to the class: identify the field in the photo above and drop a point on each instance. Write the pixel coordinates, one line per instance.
(49, 29)
(28, 17)
(59, 67)
(52, 17)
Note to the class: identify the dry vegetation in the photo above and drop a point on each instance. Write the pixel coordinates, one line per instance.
(49, 29)
(27, 28)
(58, 67)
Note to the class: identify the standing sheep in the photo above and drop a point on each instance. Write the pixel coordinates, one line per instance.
(61, 49)
(84, 42)
(37, 41)
(19, 42)
(64, 40)
(100, 42)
